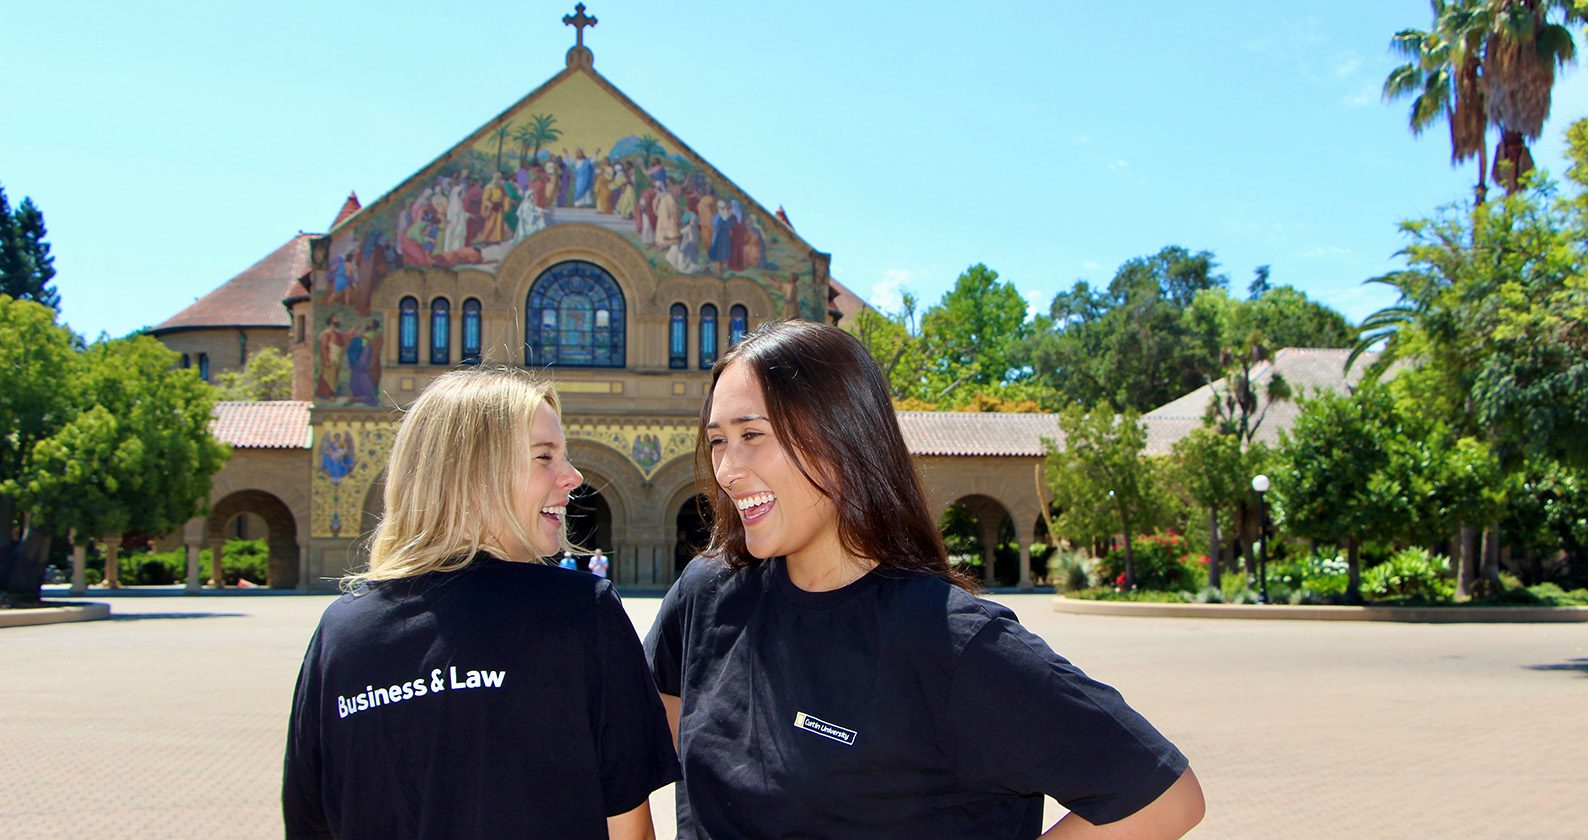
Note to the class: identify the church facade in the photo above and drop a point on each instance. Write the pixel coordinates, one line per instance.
(573, 235)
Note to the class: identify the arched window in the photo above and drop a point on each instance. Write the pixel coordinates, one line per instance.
(708, 336)
(187, 361)
(471, 332)
(440, 332)
(738, 324)
(678, 337)
(408, 331)
(575, 315)
(204, 366)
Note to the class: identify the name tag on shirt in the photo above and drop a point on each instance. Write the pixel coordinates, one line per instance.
(824, 729)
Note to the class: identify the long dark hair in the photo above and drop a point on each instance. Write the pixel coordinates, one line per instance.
(829, 406)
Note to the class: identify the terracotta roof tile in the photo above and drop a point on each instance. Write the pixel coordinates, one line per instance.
(349, 207)
(252, 298)
(970, 433)
(282, 424)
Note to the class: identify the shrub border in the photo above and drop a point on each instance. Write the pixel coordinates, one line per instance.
(1420, 615)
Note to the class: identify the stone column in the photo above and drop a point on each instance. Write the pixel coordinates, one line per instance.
(79, 567)
(217, 548)
(304, 582)
(1025, 532)
(112, 566)
(193, 539)
(988, 520)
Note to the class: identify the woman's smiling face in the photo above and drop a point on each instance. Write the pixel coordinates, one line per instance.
(782, 511)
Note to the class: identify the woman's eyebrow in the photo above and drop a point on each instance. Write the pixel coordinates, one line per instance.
(738, 420)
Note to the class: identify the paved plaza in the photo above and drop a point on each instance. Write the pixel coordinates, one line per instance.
(168, 720)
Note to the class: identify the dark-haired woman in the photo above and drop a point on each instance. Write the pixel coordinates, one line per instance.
(826, 672)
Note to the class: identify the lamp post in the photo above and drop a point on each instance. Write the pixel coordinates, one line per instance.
(1261, 485)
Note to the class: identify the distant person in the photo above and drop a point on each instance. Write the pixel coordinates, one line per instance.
(598, 564)
(827, 673)
(434, 699)
(568, 562)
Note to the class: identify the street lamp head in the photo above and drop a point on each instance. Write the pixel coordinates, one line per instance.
(1111, 494)
(1260, 483)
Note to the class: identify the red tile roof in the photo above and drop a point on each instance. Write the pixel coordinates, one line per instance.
(252, 298)
(349, 207)
(971, 433)
(282, 424)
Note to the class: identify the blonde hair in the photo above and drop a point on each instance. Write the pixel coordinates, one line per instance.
(452, 473)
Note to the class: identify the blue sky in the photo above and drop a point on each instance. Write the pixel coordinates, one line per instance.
(172, 144)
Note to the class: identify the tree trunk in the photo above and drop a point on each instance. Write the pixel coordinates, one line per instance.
(1353, 570)
(1491, 555)
(1466, 561)
(1213, 549)
(1130, 563)
(25, 572)
(112, 562)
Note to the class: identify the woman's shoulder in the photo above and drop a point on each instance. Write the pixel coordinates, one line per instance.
(936, 609)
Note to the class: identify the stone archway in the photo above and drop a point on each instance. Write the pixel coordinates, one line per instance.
(589, 523)
(989, 527)
(281, 537)
(692, 526)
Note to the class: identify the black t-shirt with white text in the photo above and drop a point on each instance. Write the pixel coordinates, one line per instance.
(897, 706)
(503, 700)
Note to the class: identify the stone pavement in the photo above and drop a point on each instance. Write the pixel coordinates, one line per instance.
(168, 720)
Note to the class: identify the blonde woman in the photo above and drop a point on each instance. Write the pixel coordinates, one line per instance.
(462, 687)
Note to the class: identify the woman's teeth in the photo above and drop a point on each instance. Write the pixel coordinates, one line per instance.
(557, 511)
(754, 501)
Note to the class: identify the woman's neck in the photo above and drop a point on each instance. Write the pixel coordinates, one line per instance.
(824, 571)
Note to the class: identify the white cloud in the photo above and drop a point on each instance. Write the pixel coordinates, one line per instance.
(1347, 64)
(1324, 252)
(1092, 265)
(1117, 165)
(886, 293)
(1036, 304)
(1081, 139)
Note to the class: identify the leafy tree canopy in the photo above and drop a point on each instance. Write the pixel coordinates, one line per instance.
(267, 376)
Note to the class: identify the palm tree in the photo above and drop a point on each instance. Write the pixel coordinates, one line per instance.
(649, 146)
(1442, 76)
(501, 135)
(523, 137)
(1522, 51)
(541, 132)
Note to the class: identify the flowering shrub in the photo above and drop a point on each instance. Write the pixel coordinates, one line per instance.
(1163, 563)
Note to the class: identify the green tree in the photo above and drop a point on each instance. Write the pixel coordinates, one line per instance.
(1128, 346)
(130, 449)
(267, 376)
(38, 359)
(1209, 470)
(1334, 482)
(1441, 77)
(26, 267)
(970, 336)
(1100, 480)
(650, 147)
(541, 130)
(501, 134)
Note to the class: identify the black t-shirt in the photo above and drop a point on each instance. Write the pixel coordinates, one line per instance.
(897, 706)
(504, 700)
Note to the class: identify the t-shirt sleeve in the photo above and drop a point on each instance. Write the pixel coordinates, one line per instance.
(664, 645)
(634, 742)
(1034, 723)
(302, 806)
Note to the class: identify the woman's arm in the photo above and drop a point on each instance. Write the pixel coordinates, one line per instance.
(1175, 812)
(634, 825)
(674, 707)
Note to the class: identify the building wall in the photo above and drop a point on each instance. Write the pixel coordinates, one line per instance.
(225, 346)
